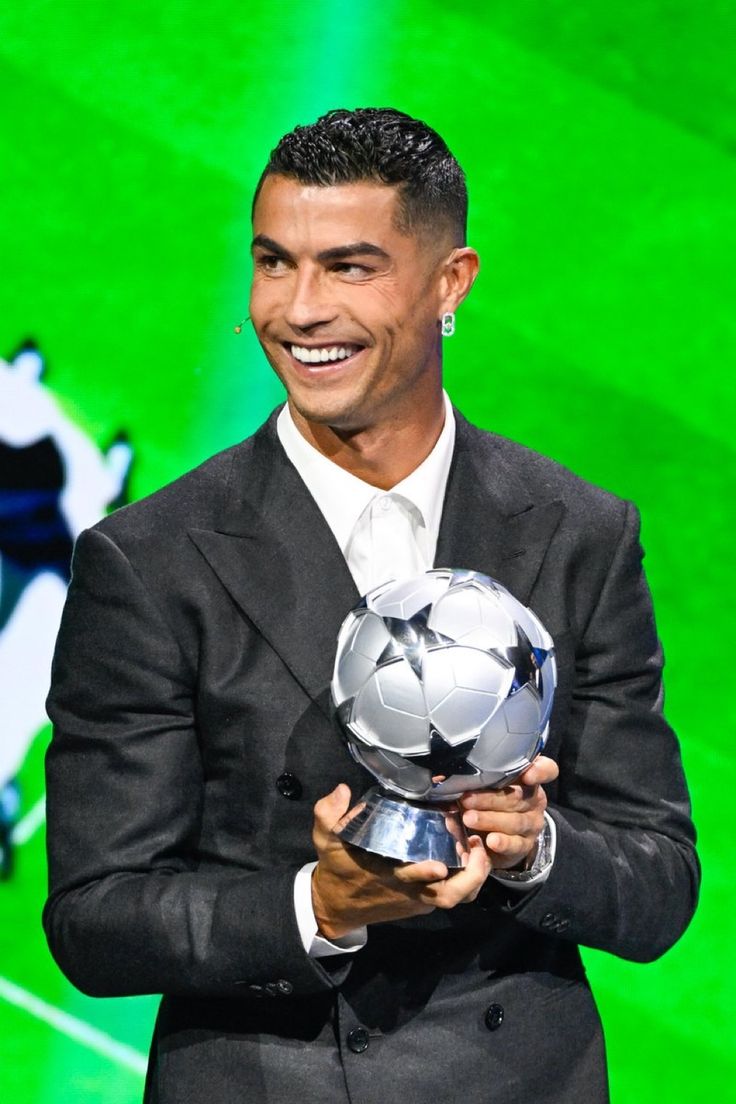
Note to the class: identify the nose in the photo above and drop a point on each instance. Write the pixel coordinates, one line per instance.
(309, 304)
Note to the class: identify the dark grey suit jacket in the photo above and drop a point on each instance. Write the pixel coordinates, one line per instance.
(192, 674)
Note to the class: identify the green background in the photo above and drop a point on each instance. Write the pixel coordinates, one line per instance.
(598, 142)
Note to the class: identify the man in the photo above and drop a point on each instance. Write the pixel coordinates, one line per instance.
(193, 730)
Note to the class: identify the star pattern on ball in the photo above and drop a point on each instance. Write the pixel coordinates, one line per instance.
(526, 660)
(445, 759)
(411, 639)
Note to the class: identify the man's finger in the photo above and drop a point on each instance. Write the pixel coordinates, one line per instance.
(516, 798)
(338, 826)
(332, 807)
(513, 824)
(521, 794)
(541, 771)
(510, 850)
(464, 885)
(421, 873)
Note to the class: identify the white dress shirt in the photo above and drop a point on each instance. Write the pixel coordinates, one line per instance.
(382, 535)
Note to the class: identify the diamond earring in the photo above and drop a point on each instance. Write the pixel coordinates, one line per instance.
(448, 323)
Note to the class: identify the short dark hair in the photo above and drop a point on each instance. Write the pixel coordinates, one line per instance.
(383, 145)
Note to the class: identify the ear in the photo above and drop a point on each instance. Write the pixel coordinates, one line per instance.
(458, 276)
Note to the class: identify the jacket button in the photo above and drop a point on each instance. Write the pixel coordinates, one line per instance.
(494, 1016)
(289, 786)
(563, 925)
(358, 1039)
(548, 920)
(284, 987)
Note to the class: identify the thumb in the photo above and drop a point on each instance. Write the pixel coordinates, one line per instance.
(541, 770)
(332, 807)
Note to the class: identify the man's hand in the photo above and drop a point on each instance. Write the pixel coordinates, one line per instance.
(351, 887)
(512, 818)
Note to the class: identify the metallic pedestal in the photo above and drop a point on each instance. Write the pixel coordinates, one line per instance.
(410, 832)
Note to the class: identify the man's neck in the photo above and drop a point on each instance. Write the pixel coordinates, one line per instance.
(382, 454)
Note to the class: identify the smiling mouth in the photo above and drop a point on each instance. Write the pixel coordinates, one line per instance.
(322, 354)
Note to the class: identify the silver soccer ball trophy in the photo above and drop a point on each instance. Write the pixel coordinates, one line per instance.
(443, 683)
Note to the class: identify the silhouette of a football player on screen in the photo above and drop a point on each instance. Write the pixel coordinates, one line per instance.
(54, 482)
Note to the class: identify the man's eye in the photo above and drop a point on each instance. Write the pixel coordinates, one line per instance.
(349, 268)
(270, 263)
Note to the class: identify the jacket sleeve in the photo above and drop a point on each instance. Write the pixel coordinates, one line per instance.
(129, 911)
(625, 877)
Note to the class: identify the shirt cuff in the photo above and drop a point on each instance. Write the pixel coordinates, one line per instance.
(316, 945)
(542, 865)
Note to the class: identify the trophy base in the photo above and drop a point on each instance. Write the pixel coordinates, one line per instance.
(408, 831)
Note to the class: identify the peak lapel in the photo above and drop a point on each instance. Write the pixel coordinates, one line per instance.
(276, 556)
(489, 522)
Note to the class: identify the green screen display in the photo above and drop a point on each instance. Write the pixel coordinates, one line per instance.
(598, 143)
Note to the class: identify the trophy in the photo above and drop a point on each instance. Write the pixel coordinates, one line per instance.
(443, 683)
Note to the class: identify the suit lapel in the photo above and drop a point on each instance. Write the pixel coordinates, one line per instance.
(276, 556)
(274, 553)
(489, 522)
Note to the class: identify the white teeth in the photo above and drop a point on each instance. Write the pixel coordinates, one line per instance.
(323, 355)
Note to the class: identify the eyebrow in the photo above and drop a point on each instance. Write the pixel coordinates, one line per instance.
(336, 253)
(353, 249)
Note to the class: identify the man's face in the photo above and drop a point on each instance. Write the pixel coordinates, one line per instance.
(345, 305)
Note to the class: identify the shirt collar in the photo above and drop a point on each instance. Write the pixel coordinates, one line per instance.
(342, 497)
